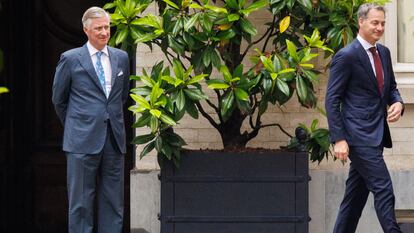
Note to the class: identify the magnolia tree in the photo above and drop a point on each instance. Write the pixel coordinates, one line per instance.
(208, 35)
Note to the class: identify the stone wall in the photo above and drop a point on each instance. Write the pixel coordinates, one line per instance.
(328, 178)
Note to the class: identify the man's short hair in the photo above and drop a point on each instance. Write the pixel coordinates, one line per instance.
(91, 13)
(365, 8)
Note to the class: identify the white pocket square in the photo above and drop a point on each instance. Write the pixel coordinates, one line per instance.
(120, 73)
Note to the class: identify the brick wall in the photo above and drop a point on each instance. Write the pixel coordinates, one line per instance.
(200, 134)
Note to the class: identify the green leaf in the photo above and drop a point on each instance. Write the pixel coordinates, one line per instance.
(155, 112)
(255, 6)
(178, 69)
(277, 65)
(145, 38)
(306, 3)
(166, 150)
(247, 26)
(217, 84)
(307, 65)
(109, 5)
(309, 57)
(226, 73)
(154, 123)
(207, 56)
(142, 139)
(288, 70)
(283, 87)
(232, 4)
(314, 124)
(175, 45)
(195, 6)
(167, 120)
(267, 63)
(191, 109)
(197, 78)
(206, 22)
(142, 121)
(175, 140)
(141, 101)
(120, 37)
(179, 24)
(216, 9)
(158, 143)
(190, 23)
(226, 35)
(215, 59)
(227, 104)
(301, 88)
(148, 148)
(310, 75)
(155, 93)
(116, 17)
(241, 94)
(148, 20)
(195, 94)
(180, 101)
(233, 17)
(292, 50)
(172, 4)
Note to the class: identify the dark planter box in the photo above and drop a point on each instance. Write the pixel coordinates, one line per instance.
(249, 192)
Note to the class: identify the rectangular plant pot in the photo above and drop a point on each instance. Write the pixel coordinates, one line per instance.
(248, 192)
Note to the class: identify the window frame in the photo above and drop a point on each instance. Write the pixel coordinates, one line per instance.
(404, 72)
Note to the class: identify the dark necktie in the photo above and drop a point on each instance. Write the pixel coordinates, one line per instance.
(378, 68)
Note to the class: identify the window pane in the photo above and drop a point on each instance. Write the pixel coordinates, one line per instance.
(405, 31)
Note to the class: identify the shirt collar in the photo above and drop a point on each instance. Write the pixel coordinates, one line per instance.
(92, 50)
(365, 43)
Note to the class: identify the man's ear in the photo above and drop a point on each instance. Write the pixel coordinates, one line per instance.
(360, 21)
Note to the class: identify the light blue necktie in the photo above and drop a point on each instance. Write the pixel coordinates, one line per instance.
(100, 71)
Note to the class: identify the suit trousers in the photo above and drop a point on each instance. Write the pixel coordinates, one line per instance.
(96, 178)
(367, 173)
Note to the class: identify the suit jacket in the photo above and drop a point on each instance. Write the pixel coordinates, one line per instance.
(355, 108)
(81, 104)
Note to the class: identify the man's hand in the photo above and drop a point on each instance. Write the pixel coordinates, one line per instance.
(394, 112)
(341, 150)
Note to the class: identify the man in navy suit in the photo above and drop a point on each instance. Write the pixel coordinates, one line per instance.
(361, 86)
(90, 88)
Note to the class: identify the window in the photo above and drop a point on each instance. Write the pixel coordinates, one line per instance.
(405, 25)
(399, 38)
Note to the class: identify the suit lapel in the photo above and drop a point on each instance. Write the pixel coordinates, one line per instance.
(114, 64)
(85, 61)
(363, 57)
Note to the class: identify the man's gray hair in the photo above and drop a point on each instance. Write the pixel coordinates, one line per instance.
(91, 13)
(365, 8)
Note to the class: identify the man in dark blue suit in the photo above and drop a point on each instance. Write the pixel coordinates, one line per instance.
(361, 86)
(89, 91)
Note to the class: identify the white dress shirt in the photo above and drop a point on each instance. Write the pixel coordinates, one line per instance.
(105, 63)
(367, 46)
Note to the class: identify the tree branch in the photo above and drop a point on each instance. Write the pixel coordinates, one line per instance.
(280, 127)
(205, 115)
(270, 34)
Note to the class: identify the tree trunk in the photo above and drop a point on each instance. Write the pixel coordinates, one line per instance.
(230, 133)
